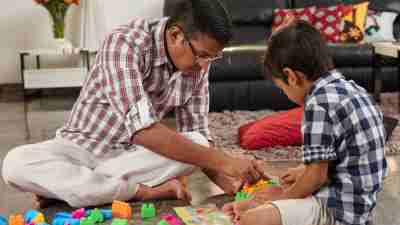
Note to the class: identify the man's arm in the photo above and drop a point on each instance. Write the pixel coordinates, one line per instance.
(171, 144)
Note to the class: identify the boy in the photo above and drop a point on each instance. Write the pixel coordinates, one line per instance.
(343, 136)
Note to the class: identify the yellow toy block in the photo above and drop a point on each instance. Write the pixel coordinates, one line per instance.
(250, 189)
(39, 219)
(121, 210)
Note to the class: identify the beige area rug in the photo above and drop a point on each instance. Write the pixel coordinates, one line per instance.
(224, 128)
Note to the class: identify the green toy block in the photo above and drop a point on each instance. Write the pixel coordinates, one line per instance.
(119, 222)
(148, 211)
(96, 216)
(273, 183)
(241, 196)
(87, 221)
(163, 222)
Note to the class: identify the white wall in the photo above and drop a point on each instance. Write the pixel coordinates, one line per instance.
(25, 25)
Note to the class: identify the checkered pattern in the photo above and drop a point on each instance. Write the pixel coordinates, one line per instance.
(328, 21)
(131, 86)
(343, 125)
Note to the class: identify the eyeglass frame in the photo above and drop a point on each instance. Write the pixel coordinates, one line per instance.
(198, 58)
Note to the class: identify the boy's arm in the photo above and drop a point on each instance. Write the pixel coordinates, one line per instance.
(314, 176)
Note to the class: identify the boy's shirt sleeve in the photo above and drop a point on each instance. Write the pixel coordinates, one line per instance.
(318, 133)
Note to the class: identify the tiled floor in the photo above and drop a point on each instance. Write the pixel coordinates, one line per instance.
(45, 113)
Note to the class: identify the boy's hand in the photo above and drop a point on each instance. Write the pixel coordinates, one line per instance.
(291, 176)
(235, 209)
(268, 194)
(245, 170)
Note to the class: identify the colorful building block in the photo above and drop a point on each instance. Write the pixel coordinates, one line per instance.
(171, 219)
(240, 196)
(87, 221)
(34, 217)
(63, 221)
(79, 213)
(16, 219)
(3, 221)
(121, 210)
(148, 211)
(64, 215)
(119, 222)
(96, 216)
(260, 185)
(163, 222)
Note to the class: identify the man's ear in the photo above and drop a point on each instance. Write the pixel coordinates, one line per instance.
(292, 78)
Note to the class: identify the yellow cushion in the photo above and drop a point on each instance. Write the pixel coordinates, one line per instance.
(354, 22)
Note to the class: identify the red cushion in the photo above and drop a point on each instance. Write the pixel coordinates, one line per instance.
(329, 21)
(278, 129)
(306, 14)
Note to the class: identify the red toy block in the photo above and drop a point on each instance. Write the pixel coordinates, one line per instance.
(121, 210)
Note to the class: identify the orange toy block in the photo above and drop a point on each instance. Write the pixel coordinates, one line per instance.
(17, 219)
(121, 210)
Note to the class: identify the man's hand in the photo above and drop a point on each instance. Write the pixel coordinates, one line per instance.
(248, 171)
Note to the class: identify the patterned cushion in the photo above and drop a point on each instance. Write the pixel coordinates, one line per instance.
(354, 21)
(379, 26)
(306, 14)
(328, 22)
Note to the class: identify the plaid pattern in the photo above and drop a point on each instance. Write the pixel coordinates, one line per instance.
(343, 125)
(131, 86)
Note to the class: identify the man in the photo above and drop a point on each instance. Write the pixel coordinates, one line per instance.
(113, 145)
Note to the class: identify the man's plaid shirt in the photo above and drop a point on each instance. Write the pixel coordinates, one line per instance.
(343, 125)
(131, 86)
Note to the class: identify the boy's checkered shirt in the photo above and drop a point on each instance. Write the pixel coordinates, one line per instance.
(343, 125)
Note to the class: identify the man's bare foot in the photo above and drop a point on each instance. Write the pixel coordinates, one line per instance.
(41, 202)
(172, 189)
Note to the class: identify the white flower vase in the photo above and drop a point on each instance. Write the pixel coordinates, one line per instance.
(64, 45)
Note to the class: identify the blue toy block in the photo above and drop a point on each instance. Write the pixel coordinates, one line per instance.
(30, 215)
(64, 215)
(3, 221)
(63, 221)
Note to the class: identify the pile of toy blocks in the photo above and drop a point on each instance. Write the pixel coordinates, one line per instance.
(120, 214)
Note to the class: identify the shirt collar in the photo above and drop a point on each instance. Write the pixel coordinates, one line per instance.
(325, 78)
(159, 52)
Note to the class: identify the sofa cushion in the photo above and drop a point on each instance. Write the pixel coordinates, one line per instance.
(328, 22)
(385, 5)
(306, 14)
(278, 129)
(354, 21)
(379, 26)
(351, 54)
(253, 16)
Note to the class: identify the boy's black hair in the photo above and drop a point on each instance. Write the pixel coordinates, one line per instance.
(300, 47)
(205, 16)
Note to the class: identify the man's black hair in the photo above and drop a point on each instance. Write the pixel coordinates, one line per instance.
(300, 47)
(204, 16)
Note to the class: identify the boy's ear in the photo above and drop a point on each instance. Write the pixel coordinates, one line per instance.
(292, 78)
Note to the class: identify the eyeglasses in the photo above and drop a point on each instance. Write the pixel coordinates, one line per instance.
(203, 58)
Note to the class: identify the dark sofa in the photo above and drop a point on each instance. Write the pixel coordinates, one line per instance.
(236, 81)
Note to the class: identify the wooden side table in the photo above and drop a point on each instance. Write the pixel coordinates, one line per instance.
(389, 49)
(38, 78)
